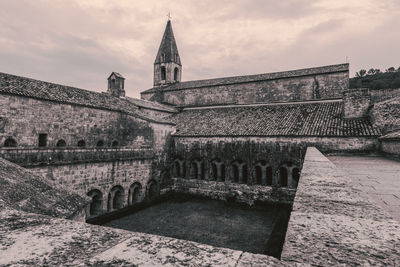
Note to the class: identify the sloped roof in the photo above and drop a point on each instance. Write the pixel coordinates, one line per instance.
(117, 74)
(394, 135)
(17, 85)
(151, 105)
(252, 78)
(168, 47)
(322, 118)
(22, 190)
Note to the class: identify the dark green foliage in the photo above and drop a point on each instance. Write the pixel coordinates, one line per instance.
(375, 79)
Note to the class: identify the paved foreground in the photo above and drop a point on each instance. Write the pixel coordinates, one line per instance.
(378, 177)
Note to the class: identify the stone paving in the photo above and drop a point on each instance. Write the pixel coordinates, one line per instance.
(378, 177)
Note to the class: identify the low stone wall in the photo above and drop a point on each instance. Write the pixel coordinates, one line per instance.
(391, 147)
(332, 223)
(28, 157)
(240, 193)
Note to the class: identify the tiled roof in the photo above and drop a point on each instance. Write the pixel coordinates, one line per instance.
(252, 78)
(17, 85)
(151, 105)
(322, 118)
(117, 74)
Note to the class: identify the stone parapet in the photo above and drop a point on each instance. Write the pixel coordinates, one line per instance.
(333, 223)
(28, 157)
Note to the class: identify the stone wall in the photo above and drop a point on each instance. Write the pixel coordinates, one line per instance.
(239, 193)
(105, 177)
(335, 223)
(356, 103)
(385, 115)
(322, 86)
(392, 147)
(378, 95)
(326, 144)
(25, 118)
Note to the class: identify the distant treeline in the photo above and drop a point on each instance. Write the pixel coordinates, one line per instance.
(375, 79)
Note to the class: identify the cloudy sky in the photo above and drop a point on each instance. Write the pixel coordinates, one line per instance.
(79, 43)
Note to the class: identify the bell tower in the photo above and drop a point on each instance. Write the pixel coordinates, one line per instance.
(167, 66)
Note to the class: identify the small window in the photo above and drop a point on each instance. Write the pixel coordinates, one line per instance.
(176, 74)
(61, 143)
(114, 143)
(163, 74)
(100, 143)
(10, 142)
(42, 140)
(81, 143)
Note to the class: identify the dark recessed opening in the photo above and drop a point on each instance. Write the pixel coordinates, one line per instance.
(42, 140)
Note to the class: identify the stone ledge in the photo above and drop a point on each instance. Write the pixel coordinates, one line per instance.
(333, 223)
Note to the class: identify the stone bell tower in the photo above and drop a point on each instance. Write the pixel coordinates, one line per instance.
(167, 66)
(116, 84)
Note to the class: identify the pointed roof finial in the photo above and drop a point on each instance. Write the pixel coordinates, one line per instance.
(169, 16)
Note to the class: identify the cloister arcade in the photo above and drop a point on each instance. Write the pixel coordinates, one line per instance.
(285, 174)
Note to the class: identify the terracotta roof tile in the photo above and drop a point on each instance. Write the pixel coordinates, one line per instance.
(17, 85)
(322, 118)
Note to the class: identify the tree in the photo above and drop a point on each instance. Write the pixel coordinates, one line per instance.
(361, 73)
(398, 70)
(377, 71)
(391, 69)
(372, 71)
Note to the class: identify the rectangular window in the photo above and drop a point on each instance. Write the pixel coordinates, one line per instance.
(42, 140)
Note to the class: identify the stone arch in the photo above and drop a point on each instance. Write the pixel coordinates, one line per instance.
(176, 74)
(81, 143)
(263, 173)
(197, 169)
(152, 190)
(10, 142)
(283, 176)
(61, 143)
(116, 198)
(239, 172)
(178, 168)
(100, 143)
(96, 205)
(218, 170)
(114, 143)
(135, 193)
(292, 172)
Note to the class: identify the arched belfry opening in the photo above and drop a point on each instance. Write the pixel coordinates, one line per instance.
(167, 66)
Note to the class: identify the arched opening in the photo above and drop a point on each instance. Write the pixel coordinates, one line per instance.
(100, 143)
(134, 193)
(244, 174)
(116, 198)
(296, 176)
(176, 73)
(194, 170)
(258, 175)
(163, 73)
(214, 170)
(269, 175)
(96, 205)
(235, 170)
(61, 143)
(81, 143)
(223, 172)
(114, 143)
(10, 142)
(283, 176)
(177, 168)
(152, 190)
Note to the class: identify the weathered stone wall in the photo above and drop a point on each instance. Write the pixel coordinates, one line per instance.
(378, 95)
(391, 147)
(231, 192)
(356, 103)
(386, 114)
(321, 86)
(326, 144)
(25, 118)
(102, 176)
(335, 223)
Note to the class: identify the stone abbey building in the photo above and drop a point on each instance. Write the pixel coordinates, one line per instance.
(240, 138)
